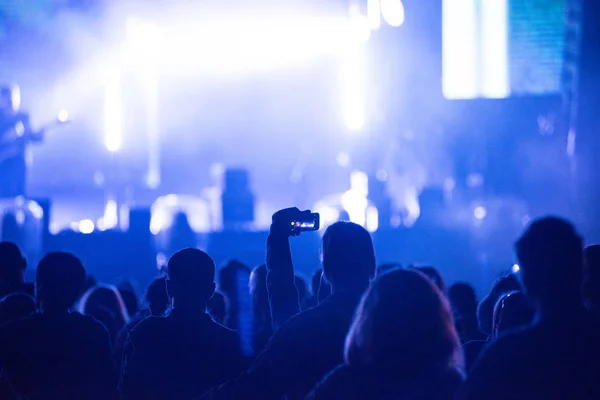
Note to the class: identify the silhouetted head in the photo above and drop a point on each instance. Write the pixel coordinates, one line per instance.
(16, 306)
(217, 307)
(434, 275)
(512, 310)
(550, 257)
(302, 289)
(130, 300)
(463, 300)
(485, 310)
(156, 296)
(591, 288)
(191, 278)
(387, 267)
(12, 263)
(260, 297)
(59, 280)
(403, 324)
(105, 298)
(348, 256)
(229, 277)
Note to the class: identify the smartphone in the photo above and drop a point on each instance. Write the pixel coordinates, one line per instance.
(305, 222)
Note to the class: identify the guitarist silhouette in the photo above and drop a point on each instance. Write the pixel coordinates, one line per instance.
(15, 133)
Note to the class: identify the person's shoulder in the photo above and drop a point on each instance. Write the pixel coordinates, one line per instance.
(87, 324)
(222, 330)
(304, 318)
(21, 331)
(25, 323)
(148, 324)
(336, 383)
(512, 341)
(508, 351)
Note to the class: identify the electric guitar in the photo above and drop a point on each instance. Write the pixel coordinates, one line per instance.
(12, 139)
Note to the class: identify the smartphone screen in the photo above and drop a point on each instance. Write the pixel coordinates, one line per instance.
(307, 223)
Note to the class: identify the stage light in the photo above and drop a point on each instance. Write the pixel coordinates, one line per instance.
(63, 116)
(392, 12)
(515, 268)
(354, 86)
(480, 213)
(494, 49)
(372, 219)
(343, 159)
(111, 217)
(161, 260)
(374, 14)
(113, 109)
(86, 226)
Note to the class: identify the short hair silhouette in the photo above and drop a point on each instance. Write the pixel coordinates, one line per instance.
(16, 306)
(404, 324)
(156, 296)
(550, 257)
(59, 280)
(348, 256)
(463, 299)
(512, 310)
(12, 262)
(191, 275)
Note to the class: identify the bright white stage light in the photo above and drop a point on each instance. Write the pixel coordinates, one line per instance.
(515, 268)
(374, 14)
(494, 49)
(480, 213)
(354, 86)
(86, 226)
(144, 42)
(111, 217)
(355, 204)
(63, 116)
(393, 12)
(113, 109)
(372, 219)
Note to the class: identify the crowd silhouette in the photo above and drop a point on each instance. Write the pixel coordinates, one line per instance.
(356, 332)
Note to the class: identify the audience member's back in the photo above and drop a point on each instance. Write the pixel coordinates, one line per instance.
(312, 342)
(558, 356)
(12, 269)
(55, 353)
(402, 345)
(184, 353)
